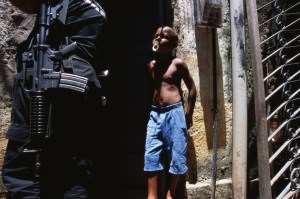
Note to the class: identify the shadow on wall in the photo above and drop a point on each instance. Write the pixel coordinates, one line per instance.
(191, 175)
(204, 36)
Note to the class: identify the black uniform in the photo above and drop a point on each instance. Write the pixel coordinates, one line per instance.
(66, 154)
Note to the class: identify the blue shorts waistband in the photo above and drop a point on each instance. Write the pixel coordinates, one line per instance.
(166, 108)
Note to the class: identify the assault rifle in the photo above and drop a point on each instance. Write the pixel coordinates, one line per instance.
(39, 76)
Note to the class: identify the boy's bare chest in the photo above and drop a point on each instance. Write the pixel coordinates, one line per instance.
(167, 75)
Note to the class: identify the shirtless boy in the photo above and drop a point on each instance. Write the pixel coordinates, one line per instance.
(168, 123)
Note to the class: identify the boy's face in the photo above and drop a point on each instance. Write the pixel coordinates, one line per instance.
(164, 40)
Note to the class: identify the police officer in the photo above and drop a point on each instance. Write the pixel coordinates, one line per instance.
(65, 157)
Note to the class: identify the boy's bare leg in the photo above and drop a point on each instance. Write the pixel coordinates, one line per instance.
(152, 185)
(173, 185)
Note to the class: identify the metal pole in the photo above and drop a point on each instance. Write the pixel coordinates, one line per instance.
(239, 84)
(215, 110)
(260, 104)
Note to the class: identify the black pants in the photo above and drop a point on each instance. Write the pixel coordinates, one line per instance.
(66, 155)
(63, 175)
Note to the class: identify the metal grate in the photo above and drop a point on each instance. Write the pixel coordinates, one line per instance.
(279, 32)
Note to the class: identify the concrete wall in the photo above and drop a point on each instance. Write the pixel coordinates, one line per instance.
(196, 49)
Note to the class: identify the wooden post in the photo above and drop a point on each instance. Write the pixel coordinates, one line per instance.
(260, 104)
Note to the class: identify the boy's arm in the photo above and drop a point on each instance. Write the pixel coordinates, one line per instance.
(191, 99)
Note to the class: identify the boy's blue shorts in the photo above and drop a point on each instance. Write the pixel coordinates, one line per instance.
(166, 131)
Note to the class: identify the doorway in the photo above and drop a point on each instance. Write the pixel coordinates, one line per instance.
(127, 50)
